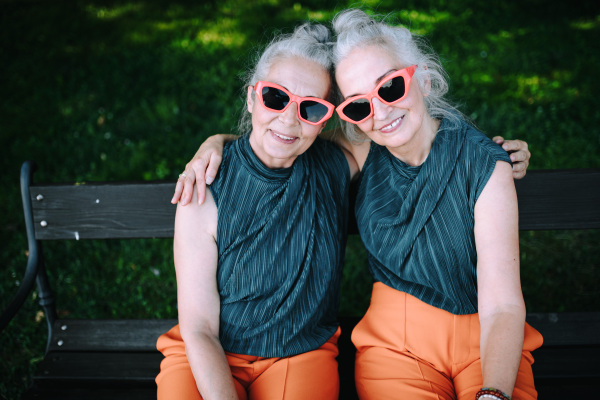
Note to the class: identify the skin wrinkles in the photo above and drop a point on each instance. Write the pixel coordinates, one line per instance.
(404, 128)
(278, 138)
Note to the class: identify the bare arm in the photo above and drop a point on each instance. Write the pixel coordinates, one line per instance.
(201, 170)
(196, 255)
(501, 305)
(518, 151)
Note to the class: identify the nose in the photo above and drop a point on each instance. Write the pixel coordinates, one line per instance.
(290, 115)
(380, 110)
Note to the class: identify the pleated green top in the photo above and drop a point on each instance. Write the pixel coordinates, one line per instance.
(281, 236)
(417, 223)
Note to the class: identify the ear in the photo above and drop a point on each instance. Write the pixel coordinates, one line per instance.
(250, 99)
(323, 125)
(426, 82)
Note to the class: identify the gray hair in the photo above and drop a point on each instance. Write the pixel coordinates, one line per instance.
(309, 41)
(354, 28)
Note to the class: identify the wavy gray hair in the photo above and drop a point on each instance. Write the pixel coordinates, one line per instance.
(355, 28)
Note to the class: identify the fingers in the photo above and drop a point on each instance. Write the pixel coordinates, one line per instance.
(179, 194)
(198, 173)
(201, 171)
(178, 191)
(515, 145)
(520, 162)
(198, 166)
(213, 167)
(188, 186)
(519, 154)
(183, 188)
(519, 169)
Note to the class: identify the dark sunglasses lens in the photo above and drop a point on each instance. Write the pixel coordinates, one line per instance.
(312, 111)
(392, 90)
(274, 98)
(357, 110)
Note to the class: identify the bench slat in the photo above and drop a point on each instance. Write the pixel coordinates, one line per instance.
(89, 369)
(548, 199)
(102, 211)
(100, 393)
(559, 364)
(559, 199)
(567, 329)
(559, 329)
(108, 335)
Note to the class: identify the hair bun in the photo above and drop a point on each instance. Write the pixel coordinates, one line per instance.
(313, 32)
(351, 20)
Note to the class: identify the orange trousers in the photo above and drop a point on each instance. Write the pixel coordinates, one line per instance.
(407, 349)
(311, 375)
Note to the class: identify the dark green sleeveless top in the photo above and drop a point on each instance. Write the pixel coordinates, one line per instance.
(417, 223)
(281, 236)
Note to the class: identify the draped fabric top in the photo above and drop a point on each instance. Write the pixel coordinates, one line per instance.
(281, 235)
(417, 223)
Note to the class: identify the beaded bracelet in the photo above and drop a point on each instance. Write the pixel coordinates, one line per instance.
(491, 393)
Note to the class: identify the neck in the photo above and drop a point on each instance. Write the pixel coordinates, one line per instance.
(269, 161)
(415, 152)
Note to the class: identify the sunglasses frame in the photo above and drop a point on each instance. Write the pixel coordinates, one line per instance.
(407, 73)
(293, 98)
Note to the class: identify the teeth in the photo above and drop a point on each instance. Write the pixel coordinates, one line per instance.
(283, 137)
(393, 124)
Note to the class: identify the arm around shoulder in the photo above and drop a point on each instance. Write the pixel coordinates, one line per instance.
(201, 170)
(519, 154)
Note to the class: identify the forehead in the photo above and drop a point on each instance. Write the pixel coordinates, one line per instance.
(300, 76)
(363, 67)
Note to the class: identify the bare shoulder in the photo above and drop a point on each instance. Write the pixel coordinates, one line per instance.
(195, 218)
(497, 203)
(501, 177)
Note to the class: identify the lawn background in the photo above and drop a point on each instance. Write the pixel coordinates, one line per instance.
(127, 90)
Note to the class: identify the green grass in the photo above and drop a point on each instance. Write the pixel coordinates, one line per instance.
(127, 90)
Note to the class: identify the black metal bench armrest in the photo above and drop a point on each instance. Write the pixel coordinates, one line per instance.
(35, 268)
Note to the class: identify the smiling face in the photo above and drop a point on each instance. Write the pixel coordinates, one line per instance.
(278, 138)
(404, 128)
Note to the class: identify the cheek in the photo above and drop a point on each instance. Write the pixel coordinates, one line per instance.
(311, 131)
(309, 134)
(260, 116)
(366, 126)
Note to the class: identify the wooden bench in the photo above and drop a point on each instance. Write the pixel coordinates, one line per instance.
(117, 359)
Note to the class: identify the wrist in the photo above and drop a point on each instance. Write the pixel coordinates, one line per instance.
(491, 393)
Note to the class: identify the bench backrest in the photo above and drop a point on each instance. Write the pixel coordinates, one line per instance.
(552, 199)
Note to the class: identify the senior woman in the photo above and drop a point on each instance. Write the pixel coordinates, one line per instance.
(437, 211)
(258, 264)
